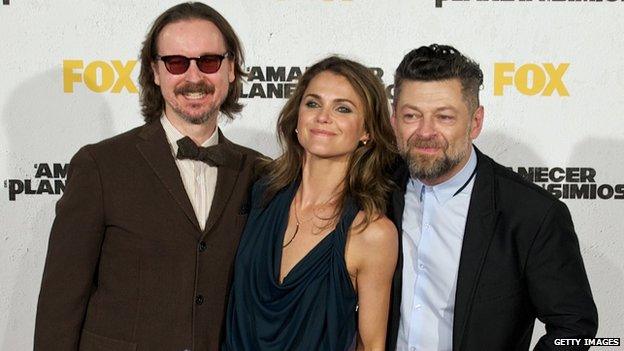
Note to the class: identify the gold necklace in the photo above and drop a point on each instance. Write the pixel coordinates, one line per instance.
(297, 223)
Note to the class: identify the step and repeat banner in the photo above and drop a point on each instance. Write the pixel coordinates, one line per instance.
(553, 96)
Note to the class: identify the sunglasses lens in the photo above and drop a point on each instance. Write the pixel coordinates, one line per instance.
(176, 64)
(209, 64)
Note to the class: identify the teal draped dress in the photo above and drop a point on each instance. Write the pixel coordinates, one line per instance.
(314, 308)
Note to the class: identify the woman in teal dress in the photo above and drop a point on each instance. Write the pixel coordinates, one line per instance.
(315, 263)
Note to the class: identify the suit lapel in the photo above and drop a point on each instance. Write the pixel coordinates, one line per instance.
(397, 206)
(227, 177)
(157, 152)
(480, 224)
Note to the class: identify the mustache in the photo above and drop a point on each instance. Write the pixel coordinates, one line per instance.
(190, 88)
(415, 141)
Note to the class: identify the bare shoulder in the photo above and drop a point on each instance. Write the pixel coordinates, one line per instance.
(380, 237)
(379, 230)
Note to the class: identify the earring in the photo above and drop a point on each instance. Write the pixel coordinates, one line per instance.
(296, 131)
(364, 142)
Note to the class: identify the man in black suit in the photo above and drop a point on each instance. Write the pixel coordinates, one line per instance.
(484, 252)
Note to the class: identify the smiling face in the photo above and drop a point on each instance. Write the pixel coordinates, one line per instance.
(194, 97)
(331, 117)
(434, 128)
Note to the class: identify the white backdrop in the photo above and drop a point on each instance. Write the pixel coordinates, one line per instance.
(567, 113)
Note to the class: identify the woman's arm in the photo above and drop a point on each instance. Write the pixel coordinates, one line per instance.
(373, 254)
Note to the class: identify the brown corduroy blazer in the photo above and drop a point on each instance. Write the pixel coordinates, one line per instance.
(128, 267)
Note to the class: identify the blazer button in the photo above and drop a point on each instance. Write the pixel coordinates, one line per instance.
(244, 209)
(202, 246)
(199, 299)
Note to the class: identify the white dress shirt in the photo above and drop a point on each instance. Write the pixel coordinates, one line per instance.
(199, 179)
(434, 219)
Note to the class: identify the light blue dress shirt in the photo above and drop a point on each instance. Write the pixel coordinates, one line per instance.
(433, 230)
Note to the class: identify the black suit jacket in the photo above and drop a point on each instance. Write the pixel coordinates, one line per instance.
(128, 267)
(520, 260)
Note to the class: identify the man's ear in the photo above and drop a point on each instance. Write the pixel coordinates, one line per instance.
(477, 123)
(231, 74)
(154, 66)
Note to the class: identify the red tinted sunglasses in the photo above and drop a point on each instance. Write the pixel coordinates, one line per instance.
(178, 64)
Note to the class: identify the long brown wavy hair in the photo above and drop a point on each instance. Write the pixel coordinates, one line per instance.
(152, 101)
(367, 181)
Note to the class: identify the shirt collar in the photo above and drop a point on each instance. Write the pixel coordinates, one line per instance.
(173, 135)
(446, 190)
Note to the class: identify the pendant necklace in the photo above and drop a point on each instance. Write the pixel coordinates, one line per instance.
(297, 223)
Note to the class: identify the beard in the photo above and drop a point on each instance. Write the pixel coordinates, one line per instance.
(431, 167)
(201, 88)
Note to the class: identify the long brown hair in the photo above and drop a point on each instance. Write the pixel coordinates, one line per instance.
(152, 101)
(366, 181)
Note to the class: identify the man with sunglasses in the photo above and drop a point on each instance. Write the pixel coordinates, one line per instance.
(140, 254)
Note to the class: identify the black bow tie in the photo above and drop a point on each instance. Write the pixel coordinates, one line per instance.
(213, 155)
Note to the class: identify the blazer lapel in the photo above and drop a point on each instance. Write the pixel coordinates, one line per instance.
(157, 152)
(480, 225)
(397, 206)
(227, 177)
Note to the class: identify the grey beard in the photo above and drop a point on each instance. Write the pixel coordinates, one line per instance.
(419, 170)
